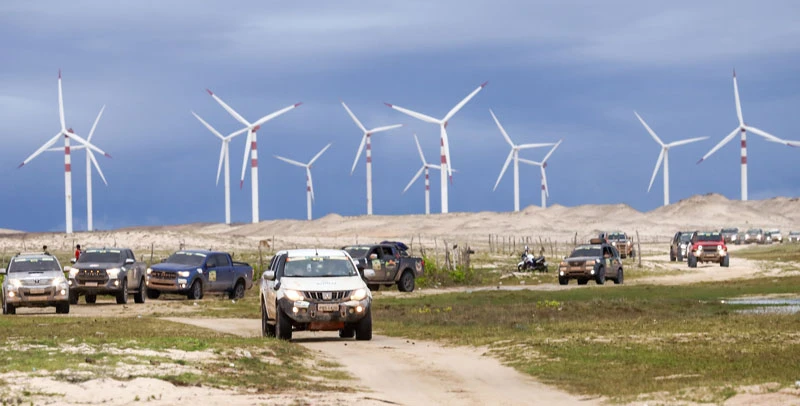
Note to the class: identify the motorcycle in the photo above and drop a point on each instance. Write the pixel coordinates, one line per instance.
(529, 262)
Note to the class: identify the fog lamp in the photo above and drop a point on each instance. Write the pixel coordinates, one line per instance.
(359, 309)
(295, 310)
(11, 294)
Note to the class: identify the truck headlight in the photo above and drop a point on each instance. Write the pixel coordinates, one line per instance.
(149, 271)
(112, 273)
(183, 274)
(292, 295)
(58, 281)
(359, 294)
(73, 272)
(15, 283)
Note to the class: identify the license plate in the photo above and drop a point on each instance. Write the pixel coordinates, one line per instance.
(37, 291)
(91, 283)
(328, 307)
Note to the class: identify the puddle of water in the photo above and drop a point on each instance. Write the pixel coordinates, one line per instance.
(768, 305)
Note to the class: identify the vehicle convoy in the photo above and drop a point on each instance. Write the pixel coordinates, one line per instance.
(597, 260)
(773, 235)
(731, 235)
(681, 241)
(195, 272)
(390, 262)
(622, 243)
(708, 247)
(754, 235)
(794, 236)
(315, 290)
(107, 271)
(34, 280)
(533, 263)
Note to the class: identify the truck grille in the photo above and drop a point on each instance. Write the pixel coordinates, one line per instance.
(92, 275)
(335, 295)
(163, 275)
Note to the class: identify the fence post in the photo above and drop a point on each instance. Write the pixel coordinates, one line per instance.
(639, 248)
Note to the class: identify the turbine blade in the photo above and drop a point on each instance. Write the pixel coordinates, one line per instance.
(236, 133)
(61, 104)
(87, 144)
(353, 116)
(210, 128)
(358, 154)
(529, 162)
(738, 102)
(546, 157)
(544, 179)
(461, 104)
(414, 179)
(764, 134)
(291, 161)
(270, 116)
(385, 128)
(222, 152)
(421, 155)
(310, 182)
(529, 146)
(721, 143)
(650, 130)
(96, 166)
(502, 130)
(319, 154)
(414, 114)
(227, 108)
(91, 132)
(684, 142)
(43, 148)
(248, 144)
(436, 167)
(503, 171)
(655, 171)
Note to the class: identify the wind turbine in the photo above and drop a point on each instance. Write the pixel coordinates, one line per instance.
(366, 139)
(68, 134)
(250, 146)
(515, 155)
(309, 182)
(223, 157)
(743, 128)
(445, 144)
(425, 168)
(664, 155)
(542, 165)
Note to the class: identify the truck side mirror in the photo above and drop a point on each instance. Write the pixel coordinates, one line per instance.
(73, 260)
(128, 261)
(268, 275)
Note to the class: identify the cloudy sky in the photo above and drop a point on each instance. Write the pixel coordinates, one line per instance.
(571, 70)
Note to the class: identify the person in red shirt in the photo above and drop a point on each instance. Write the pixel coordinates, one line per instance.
(77, 251)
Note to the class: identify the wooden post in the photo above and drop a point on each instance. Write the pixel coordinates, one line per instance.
(152, 247)
(260, 259)
(639, 248)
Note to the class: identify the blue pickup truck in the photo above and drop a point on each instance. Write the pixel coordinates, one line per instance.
(194, 272)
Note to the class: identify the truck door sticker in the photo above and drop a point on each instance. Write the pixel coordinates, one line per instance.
(212, 276)
(376, 264)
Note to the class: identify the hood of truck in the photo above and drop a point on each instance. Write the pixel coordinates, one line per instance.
(323, 284)
(30, 278)
(97, 265)
(579, 260)
(166, 266)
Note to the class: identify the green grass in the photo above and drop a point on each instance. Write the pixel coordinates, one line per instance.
(618, 342)
(772, 252)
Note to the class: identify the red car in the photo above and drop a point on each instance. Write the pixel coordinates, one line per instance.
(708, 247)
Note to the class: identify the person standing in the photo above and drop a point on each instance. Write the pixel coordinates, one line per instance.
(44, 249)
(77, 252)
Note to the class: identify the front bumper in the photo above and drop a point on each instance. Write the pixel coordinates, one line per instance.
(710, 255)
(305, 311)
(577, 272)
(110, 286)
(37, 297)
(177, 285)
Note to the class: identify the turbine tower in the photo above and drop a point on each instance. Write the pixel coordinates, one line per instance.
(224, 157)
(425, 168)
(514, 154)
(446, 163)
(367, 139)
(664, 155)
(67, 134)
(542, 166)
(309, 182)
(250, 146)
(742, 128)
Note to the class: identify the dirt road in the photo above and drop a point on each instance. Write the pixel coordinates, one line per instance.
(400, 371)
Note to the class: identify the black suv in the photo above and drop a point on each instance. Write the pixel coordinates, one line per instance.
(681, 242)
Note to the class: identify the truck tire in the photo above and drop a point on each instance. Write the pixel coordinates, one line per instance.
(600, 279)
(672, 256)
(620, 277)
(283, 325)
(141, 292)
(364, 327)
(9, 308)
(122, 296)
(73, 297)
(152, 293)
(91, 299)
(238, 290)
(725, 261)
(267, 330)
(680, 255)
(563, 280)
(348, 331)
(692, 261)
(62, 308)
(195, 291)
(406, 282)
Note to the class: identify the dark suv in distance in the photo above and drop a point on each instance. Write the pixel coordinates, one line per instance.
(680, 245)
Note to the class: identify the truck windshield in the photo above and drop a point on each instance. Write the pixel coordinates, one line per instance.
(357, 251)
(686, 237)
(754, 231)
(186, 258)
(97, 256)
(587, 251)
(709, 237)
(40, 264)
(616, 236)
(730, 230)
(318, 267)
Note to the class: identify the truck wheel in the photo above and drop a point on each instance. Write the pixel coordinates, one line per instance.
(582, 281)
(364, 327)
(348, 331)
(620, 277)
(406, 283)
(692, 261)
(141, 292)
(680, 255)
(672, 257)
(725, 261)
(9, 308)
(563, 280)
(152, 294)
(122, 296)
(238, 291)
(267, 330)
(73, 297)
(91, 299)
(373, 286)
(283, 325)
(196, 291)
(601, 277)
(62, 308)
